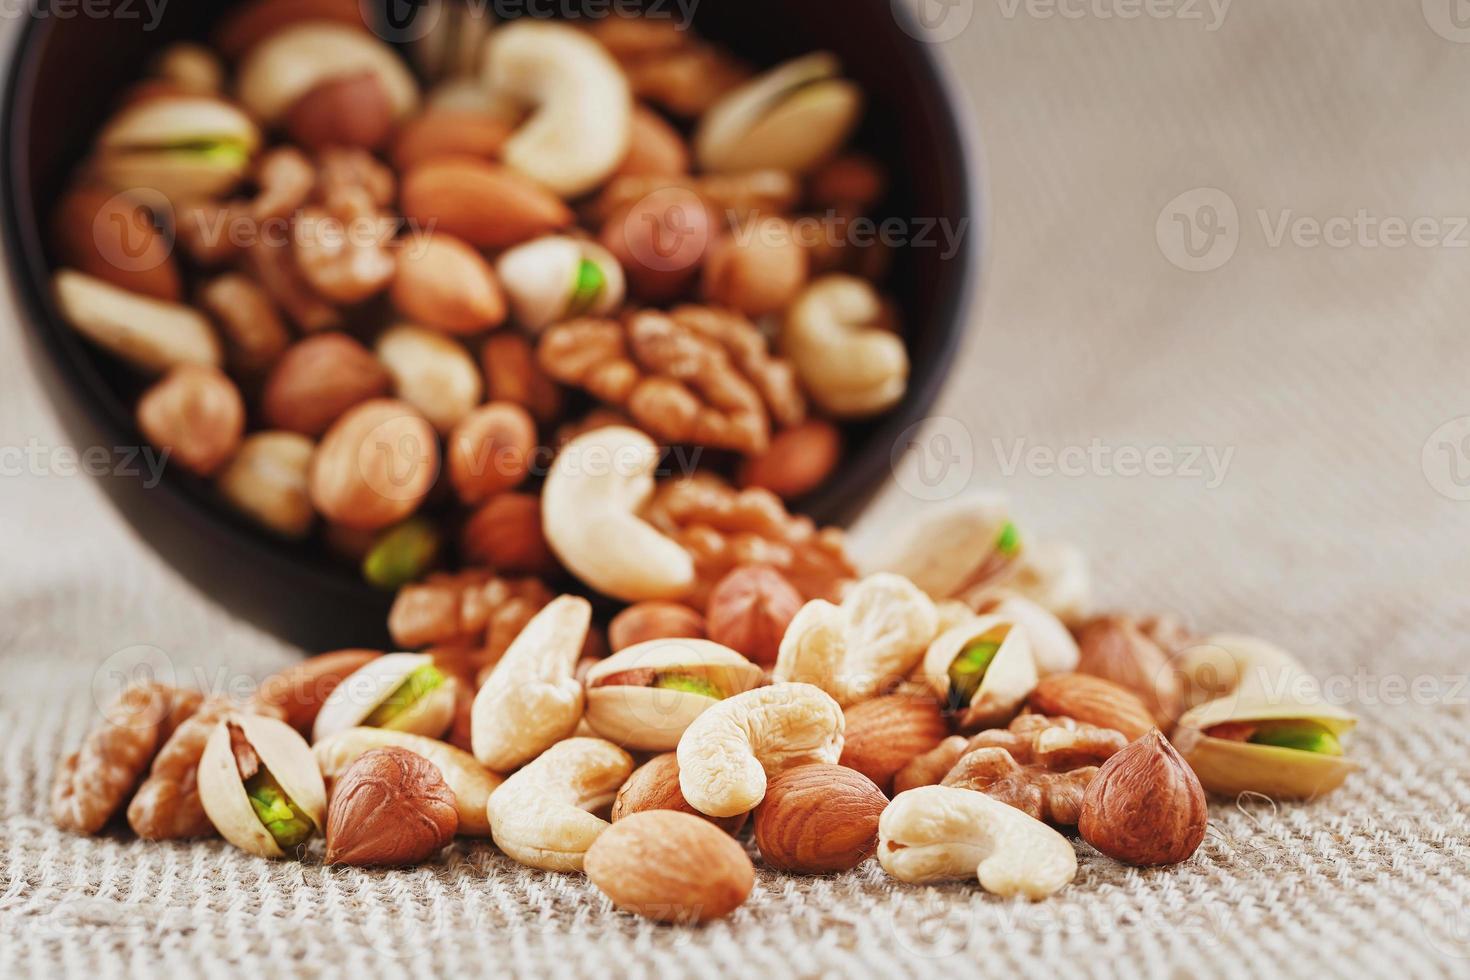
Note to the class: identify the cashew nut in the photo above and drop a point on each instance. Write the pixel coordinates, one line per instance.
(943, 833)
(284, 67)
(727, 754)
(863, 647)
(544, 815)
(582, 121)
(589, 510)
(147, 333)
(557, 278)
(471, 782)
(791, 118)
(851, 366)
(532, 698)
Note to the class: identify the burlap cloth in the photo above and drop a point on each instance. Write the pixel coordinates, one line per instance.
(1326, 370)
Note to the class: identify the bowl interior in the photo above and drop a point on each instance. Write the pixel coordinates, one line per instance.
(63, 84)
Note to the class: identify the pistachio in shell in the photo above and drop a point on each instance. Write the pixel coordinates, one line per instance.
(402, 692)
(260, 786)
(983, 669)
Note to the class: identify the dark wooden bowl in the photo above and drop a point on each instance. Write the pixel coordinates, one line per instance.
(63, 82)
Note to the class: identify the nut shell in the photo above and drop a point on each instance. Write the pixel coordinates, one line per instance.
(1145, 806)
(651, 719)
(287, 757)
(360, 693)
(1009, 679)
(818, 819)
(391, 807)
(671, 867)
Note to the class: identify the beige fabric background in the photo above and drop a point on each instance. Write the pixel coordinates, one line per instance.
(1326, 370)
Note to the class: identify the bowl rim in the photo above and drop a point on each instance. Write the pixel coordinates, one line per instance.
(844, 496)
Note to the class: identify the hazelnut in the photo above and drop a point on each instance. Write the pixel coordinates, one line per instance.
(798, 461)
(654, 620)
(661, 241)
(758, 270)
(375, 466)
(352, 110)
(818, 818)
(750, 609)
(490, 451)
(1145, 806)
(883, 735)
(197, 415)
(317, 380)
(391, 807)
(655, 786)
(505, 534)
(656, 148)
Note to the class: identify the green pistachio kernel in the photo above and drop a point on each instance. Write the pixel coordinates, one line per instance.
(1009, 542)
(226, 152)
(967, 671)
(689, 685)
(414, 686)
(1304, 736)
(587, 288)
(401, 555)
(286, 822)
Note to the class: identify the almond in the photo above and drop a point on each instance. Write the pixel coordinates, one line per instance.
(1116, 648)
(505, 534)
(112, 237)
(799, 460)
(487, 205)
(447, 132)
(655, 786)
(1145, 806)
(445, 284)
(1094, 701)
(817, 819)
(654, 620)
(512, 375)
(671, 867)
(883, 735)
(317, 380)
(749, 611)
(350, 111)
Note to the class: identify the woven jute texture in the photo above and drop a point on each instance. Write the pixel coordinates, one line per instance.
(1333, 521)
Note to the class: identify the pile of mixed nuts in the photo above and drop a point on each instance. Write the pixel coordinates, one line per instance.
(371, 304)
(955, 708)
(953, 737)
